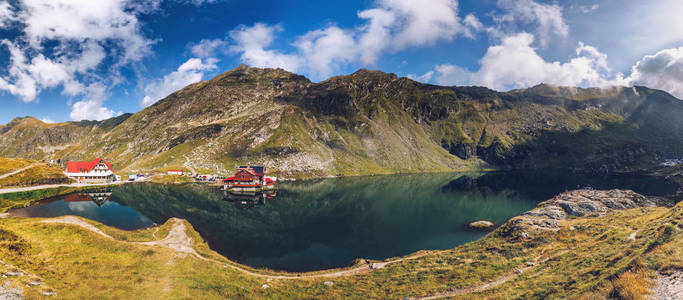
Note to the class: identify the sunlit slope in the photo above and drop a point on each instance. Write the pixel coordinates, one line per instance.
(368, 122)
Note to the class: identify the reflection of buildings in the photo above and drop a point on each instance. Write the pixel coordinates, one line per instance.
(99, 197)
(249, 199)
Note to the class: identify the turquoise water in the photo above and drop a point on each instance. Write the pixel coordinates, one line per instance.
(319, 224)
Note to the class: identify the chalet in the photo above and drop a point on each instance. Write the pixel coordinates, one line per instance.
(96, 171)
(249, 178)
(174, 172)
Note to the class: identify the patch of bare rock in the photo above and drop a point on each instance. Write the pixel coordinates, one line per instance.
(577, 203)
(668, 287)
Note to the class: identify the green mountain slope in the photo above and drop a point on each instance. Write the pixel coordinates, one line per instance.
(366, 123)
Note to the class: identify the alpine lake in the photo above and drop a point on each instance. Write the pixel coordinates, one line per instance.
(320, 224)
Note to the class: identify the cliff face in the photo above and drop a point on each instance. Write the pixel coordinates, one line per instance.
(368, 122)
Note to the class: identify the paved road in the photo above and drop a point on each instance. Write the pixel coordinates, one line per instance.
(17, 171)
(40, 187)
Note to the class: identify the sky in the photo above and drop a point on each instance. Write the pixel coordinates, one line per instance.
(63, 60)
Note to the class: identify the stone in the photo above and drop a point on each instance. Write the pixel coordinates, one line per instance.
(481, 224)
(328, 283)
(550, 211)
(49, 293)
(265, 286)
(581, 208)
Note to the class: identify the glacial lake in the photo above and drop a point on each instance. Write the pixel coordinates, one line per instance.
(319, 224)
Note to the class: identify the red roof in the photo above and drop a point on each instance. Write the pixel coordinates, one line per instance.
(84, 166)
(268, 179)
(229, 178)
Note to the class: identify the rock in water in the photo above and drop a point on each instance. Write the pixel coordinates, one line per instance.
(481, 224)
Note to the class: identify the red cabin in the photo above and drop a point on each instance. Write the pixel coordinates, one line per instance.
(249, 177)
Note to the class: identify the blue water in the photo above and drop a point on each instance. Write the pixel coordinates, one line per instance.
(319, 224)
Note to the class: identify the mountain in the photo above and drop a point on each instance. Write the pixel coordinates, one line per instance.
(368, 122)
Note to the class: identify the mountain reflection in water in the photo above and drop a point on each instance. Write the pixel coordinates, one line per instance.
(319, 224)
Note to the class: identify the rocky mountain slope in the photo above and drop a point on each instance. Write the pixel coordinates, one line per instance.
(365, 123)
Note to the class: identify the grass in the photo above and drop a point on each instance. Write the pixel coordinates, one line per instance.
(632, 285)
(587, 258)
(8, 165)
(37, 175)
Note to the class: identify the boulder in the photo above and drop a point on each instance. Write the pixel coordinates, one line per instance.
(481, 224)
(551, 211)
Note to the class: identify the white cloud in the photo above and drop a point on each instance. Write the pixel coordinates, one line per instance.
(91, 106)
(325, 50)
(209, 48)
(252, 42)
(7, 15)
(189, 72)
(547, 17)
(391, 26)
(514, 63)
(663, 70)
(82, 35)
(588, 9)
(46, 120)
(426, 77)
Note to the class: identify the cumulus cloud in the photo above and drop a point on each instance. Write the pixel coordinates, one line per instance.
(91, 107)
(82, 35)
(252, 42)
(663, 70)
(547, 17)
(515, 63)
(209, 48)
(189, 72)
(7, 15)
(391, 26)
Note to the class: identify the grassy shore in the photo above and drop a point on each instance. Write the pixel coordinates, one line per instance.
(592, 257)
(21, 199)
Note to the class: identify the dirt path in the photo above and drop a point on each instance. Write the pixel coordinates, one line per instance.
(17, 171)
(178, 240)
(496, 282)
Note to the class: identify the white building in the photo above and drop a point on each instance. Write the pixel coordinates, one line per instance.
(96, 171)
(174, 172)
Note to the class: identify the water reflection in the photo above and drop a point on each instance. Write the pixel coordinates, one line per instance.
(318, 224)
(246, 200)
(94, 204)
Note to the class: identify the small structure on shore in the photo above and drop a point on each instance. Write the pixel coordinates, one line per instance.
(174, 172)
(96, 171)
(249, 178)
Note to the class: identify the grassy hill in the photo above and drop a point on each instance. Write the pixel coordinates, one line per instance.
(30, 173)
(368, 122)
(621, 254)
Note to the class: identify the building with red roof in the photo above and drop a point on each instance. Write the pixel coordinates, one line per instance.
(96, 171)
(249, 178)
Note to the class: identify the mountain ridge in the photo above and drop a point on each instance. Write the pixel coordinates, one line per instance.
(368, 122)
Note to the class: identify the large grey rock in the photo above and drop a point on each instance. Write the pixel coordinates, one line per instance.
(550, 211)
(582, 207)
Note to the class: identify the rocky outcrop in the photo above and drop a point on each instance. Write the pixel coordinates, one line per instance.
(578, 203)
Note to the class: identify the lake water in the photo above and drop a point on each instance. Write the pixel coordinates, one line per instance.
(320, 224)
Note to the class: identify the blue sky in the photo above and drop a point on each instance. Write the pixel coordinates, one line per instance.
(71, 59)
